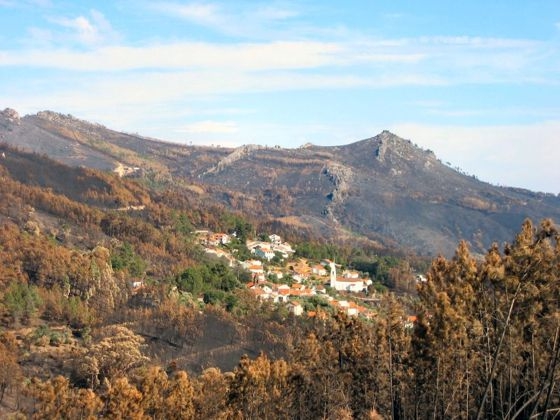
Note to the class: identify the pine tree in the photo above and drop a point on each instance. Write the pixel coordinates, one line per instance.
(498, 321)
(259, 389)
(123, 401)
(154, 387)
(179, 402)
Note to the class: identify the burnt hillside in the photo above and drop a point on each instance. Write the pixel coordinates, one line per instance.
(383, 188)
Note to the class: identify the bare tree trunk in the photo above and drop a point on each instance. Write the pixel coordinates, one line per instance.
(391, 378)
(553, 370)
(437, 391)
(496, 354)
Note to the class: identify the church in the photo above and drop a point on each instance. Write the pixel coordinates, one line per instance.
(346, 282)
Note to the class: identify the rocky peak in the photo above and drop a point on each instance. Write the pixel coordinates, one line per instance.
(390, 143)
(392, 147)
(67, 120)
(9, 116)
(54, 116)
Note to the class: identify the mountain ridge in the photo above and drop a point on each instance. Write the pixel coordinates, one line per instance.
(384, 187)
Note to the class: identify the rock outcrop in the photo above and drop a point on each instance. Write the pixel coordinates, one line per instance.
(8, 118)
(238, 154)
(341, 176)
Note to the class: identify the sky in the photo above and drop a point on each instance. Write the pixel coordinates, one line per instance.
(477, 82)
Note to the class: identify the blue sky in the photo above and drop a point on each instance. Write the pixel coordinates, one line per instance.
(477, 82)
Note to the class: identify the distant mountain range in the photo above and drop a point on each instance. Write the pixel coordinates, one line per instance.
(383, 188)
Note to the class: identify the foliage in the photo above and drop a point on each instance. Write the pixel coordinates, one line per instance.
(377, 267)
(10, 371)
(115, 351)
(484, 341)
(208, 278)
(124, 258)
(57, 399)
(499, 321)
(22, 301)
(57, 306)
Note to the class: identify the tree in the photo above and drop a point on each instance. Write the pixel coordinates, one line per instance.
(56, 399)
(123, 400)
(259, 389)
(210, 394)
(191, 280)
(447, 335)
(10, 371)
(154, 386)
(114, 353)
(498, 320)
(124, 258)
(179, 401)
(22, 301)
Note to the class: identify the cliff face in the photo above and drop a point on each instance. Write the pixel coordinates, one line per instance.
(384, 188)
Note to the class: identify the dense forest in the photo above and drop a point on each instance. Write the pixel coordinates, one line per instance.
(479, 338)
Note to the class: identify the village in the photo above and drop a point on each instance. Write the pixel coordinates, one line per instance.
(278, 277)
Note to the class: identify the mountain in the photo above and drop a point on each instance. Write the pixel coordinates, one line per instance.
(383, 188)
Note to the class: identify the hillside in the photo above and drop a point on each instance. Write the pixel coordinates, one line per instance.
(384, 188)
(81, 237)
(111, 305)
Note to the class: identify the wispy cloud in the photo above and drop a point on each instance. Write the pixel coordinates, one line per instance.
(253, 21)
(185, 55)
(25, 3)
(457, 61)
(269, 12)
(92, 29)
(174, 70)
(202, 14)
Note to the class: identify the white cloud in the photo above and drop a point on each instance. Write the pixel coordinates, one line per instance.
(89, 30)
(85, 30)
(275, 13)
(185, 55)
(475, 42)
(25, 3)
(251, 21)
(450, 60)
(204, 14)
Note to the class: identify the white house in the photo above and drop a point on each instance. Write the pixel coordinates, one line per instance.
(256, 269)
(248, 263)
(284, 249)
(275, 239)
(295, 308)
(263, 252)
(319, 270)
(279, 274)
(137, 284)
(420, 278)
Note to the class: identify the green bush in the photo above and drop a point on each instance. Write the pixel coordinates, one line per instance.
(22, 301)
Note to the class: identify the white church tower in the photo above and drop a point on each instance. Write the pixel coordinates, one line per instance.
(333, 275)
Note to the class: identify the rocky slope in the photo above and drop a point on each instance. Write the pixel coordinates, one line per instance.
(384, 188)
(387, 189)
